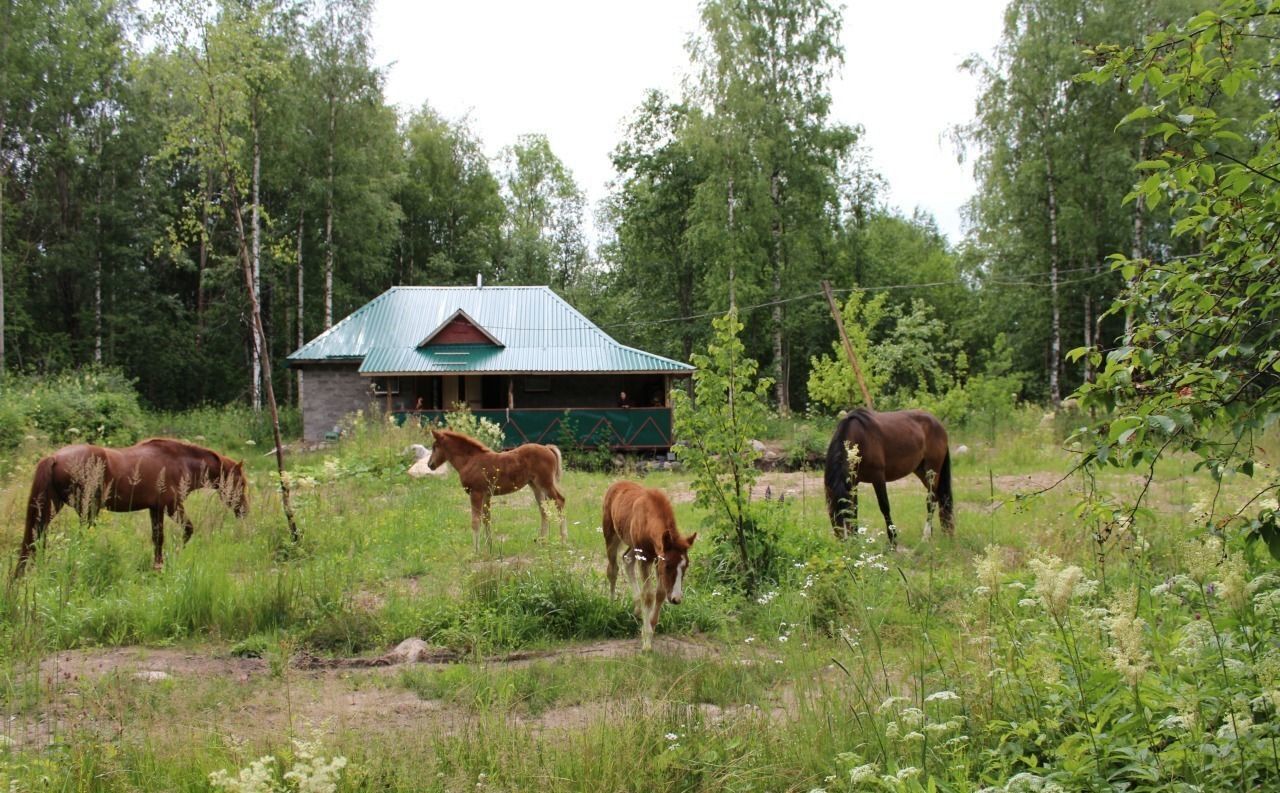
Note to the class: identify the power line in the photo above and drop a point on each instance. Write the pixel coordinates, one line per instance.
(1094, 276)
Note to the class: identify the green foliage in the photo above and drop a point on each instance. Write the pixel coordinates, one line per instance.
(543, 237)
(577, 454)
(831, 379)
(235, 430)
(910, 360)
(714, 430)
(1198, 369)
(461, 419)
(84, 406)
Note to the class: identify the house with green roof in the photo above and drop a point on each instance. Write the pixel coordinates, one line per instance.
(518, 355)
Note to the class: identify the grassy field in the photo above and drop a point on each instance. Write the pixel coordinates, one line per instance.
(952, 665)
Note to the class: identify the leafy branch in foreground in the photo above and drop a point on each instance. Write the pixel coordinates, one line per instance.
(1199, 369)
(715, 429)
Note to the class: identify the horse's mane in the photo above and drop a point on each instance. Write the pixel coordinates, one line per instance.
(175, 445)
(465, 440)
(836, 475)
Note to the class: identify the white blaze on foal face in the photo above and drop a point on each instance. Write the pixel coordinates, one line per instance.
(673, 575)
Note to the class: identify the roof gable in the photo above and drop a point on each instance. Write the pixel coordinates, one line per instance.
(525, 329)
(460, 329)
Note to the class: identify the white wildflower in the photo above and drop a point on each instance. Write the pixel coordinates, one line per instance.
(942, 696)
(257, 778)
(862, 773)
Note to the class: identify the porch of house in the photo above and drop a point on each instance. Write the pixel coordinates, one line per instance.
(619, 411)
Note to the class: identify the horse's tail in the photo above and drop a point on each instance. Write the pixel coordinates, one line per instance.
(559, 462)
(946, 502)
(39, 511)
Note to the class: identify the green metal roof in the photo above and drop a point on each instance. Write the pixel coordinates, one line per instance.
(541, 333)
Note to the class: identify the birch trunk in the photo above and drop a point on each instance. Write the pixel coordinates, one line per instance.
(1055, 332)
(1139, 238)
(255, 387)
(328, 220)
(256, 317)
(202, 260)
(302, 336)
(733, 301)
(1088, 335)
(776, 255)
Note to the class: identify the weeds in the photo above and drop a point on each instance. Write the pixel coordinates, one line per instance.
(1000, 659)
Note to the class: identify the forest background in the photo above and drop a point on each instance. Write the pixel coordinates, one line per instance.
(143, 154)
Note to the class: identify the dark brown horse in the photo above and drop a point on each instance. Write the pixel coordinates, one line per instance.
(485, 473)
(641, 519)
(888, 446)
(156, 475)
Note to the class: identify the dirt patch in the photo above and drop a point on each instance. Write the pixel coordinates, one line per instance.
(146, 663)
(153, 664)
(239, 697)
(1008, 484)
(422, 653)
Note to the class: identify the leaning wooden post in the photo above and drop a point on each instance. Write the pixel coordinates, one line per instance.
(848, 348)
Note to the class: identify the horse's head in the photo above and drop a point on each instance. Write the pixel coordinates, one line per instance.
(233, 488)
(438, 454)
(672, 563)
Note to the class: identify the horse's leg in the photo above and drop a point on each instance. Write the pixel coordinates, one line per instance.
(188, 528)
(649, 606)
(611, 552)
(478, 506)
(853, 508)
(487, 515)
(157, 536)
(652, 622)
(542, 512)
(630, 558)
(558, 497)
(611, 544)
(928, 478)
(882, 496)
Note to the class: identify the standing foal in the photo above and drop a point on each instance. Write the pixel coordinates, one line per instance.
(641, 518)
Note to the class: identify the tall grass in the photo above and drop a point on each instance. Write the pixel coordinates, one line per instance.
(966, 663)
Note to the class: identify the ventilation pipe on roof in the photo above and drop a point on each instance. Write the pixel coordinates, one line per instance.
(479, 280)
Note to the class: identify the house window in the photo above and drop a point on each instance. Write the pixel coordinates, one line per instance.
(537, 385)
(384, 385)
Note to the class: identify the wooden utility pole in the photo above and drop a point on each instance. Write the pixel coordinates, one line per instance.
(848, 348)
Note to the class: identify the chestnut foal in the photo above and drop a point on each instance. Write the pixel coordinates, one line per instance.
(485, 473)
(641, 518)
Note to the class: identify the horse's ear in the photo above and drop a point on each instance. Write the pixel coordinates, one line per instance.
(435, 434)
(691, 538)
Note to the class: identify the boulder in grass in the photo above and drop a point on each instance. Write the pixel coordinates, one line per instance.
(410, 651)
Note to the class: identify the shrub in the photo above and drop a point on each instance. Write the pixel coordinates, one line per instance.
(578, 455)
(714, 433)
(461, 419)
(91, 405)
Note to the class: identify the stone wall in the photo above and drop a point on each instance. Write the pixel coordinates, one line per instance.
(329, 394)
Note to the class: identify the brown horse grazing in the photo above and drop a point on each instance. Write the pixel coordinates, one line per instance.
(155, 474)
(485, 473)
(641, 518)
(889, 446)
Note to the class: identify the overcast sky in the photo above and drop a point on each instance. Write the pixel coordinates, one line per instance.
(575, 70)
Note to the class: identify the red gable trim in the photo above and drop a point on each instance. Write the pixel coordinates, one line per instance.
(460, 329)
